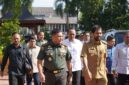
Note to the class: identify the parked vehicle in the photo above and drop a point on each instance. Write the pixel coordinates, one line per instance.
(118, 34)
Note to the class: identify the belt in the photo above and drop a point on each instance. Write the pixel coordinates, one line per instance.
(53, 71)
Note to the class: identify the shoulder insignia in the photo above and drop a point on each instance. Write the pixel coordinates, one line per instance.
(43, 46)
(49, 47)
(104, 42)
(63, 46)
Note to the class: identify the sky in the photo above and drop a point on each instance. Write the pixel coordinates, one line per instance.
(43, 3)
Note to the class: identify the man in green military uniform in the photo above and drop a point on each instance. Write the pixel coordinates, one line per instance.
(55, 58)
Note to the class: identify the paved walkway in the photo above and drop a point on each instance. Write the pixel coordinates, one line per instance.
(4, 80)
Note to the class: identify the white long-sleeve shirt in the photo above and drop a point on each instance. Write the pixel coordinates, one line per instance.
(34, 53)
(121, 59)
(75, 48)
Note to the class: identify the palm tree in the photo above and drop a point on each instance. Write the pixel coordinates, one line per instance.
(14, 5)
(69, 7)
(60, 8)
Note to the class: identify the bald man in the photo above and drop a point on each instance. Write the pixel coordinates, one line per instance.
(16, 54)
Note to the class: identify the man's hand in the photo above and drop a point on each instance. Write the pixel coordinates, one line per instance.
(115, 74)
(1, 73)
(42, 77)
(69, 79)
(107, 70)
(30, 73)
(88, 76)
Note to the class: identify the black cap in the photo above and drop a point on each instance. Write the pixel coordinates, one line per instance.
(55, 31)
(32, 37)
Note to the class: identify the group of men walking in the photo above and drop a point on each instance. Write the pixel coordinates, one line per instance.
(62, 61)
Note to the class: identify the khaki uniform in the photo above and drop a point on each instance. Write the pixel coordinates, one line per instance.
(55, 57)
(95, 53)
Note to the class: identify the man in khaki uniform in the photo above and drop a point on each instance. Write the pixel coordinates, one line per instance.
(94, 58)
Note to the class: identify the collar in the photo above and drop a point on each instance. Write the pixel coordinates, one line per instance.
(71, 41)
(33, 47)
(18, 46)
(55, 45)
(125, 44)
(110, 47)
(40, 40)
(96, 42)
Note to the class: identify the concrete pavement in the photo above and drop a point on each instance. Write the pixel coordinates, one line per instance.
(4, 80)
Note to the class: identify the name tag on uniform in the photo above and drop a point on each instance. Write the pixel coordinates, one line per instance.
(91, 50)
(49, 58)
(62, 51)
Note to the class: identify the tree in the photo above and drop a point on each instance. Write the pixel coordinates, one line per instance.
(116, 14)
(60, 6)
(7, 28)
(111, 14)
(91, 10)
(12, 25)
(67, 7)
(14, 5)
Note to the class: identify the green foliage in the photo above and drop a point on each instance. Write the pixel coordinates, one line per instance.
(67, 7)
(12, 25)
(1, 49)
(91, 11)
(14, 6)
(108, 13)
(115, 15)
(6, 30)
(111, 14)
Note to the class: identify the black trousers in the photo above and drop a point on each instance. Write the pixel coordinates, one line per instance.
(16, 79)
(123, 79)
(82, 81)
(55, 79)
(76, 77)
(111, 79)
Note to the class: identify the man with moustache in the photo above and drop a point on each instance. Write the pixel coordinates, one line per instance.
(16, 54)
(53, 59)
(94, 58)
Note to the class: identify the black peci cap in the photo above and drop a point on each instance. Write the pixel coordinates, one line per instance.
(32, 37)
(55, 31)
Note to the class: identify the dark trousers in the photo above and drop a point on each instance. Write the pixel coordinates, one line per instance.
(111, 79)
(76, 77)
(36, 79)
(55, 79)
(82, 79)
(123, 79)
(16, 79)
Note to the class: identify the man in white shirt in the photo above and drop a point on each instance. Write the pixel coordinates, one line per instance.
(85, 37)
(120, 65)
(33, 51)
(75, 47)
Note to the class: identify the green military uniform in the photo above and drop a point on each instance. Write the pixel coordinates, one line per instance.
(55, 57)
(41, 42)
(95, 53)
